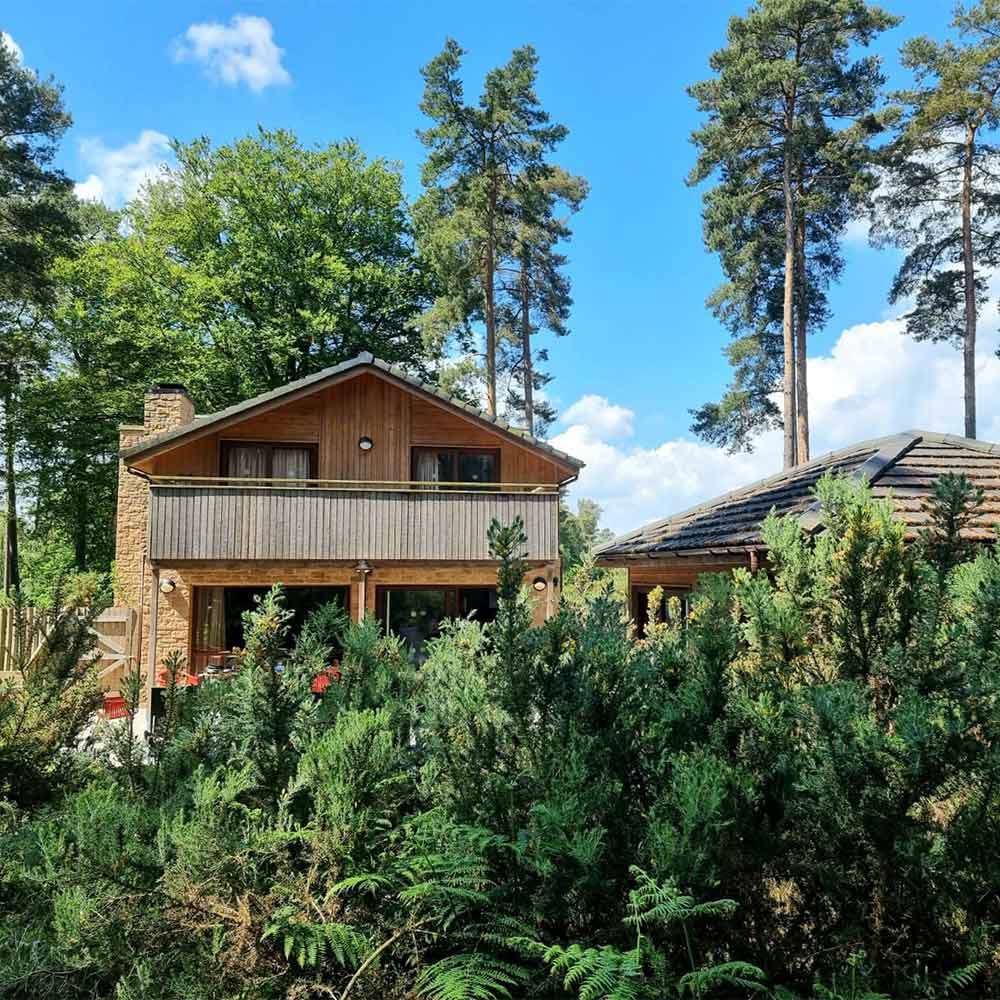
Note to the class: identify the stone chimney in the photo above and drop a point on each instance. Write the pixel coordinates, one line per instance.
(167, 407)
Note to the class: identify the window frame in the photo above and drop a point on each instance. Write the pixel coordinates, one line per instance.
(452, 592)
(456, 451)
(198, 655)
(227, 445)
(640, 602)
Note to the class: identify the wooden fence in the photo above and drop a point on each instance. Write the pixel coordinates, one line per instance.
(19, 630)
(22, 635)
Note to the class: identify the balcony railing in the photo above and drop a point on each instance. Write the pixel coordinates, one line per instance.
(287, 519)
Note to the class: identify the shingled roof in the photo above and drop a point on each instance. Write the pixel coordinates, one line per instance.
(903, 467)
(365, 360)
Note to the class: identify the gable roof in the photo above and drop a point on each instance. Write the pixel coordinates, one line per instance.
(903, 467)
(311, 383)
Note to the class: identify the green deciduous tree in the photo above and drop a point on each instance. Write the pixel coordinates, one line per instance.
(276, 259)
(789, 115)
(940, 200)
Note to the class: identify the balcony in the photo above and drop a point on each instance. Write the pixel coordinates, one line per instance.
(236, 519)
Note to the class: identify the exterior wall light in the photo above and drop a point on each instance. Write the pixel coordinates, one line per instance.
(539, 583)
(167, 586)
(366, 443)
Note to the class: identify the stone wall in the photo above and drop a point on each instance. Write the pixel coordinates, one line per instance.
(165, 408)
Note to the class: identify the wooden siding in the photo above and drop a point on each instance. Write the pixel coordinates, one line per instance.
(335, 418)
(194, 522)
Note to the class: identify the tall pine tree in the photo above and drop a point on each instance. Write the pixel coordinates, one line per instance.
(789, 114)
(535, 288)
(941, 199)
(473, 218)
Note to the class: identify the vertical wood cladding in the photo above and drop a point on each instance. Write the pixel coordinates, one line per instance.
(337, 417)
(206, 523)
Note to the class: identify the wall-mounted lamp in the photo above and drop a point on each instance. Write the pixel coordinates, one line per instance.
(539, 583)
(366, 443)
(167, 586)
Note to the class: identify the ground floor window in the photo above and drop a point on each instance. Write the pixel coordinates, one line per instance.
(640, 605)
(218, 621)
(415, 613)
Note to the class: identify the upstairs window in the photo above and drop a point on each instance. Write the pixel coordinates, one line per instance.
(265, 460)
(456, 465)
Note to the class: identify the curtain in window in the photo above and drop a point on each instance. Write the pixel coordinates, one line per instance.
(428, 467)
(210, 627)
(291, 463)
(247, 461)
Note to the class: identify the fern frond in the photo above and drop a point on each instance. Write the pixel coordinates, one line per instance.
(738, 975)
(596, 973)
(961, 978)
(365, 883)
(312, 943)
(472, 976)
(662, 902)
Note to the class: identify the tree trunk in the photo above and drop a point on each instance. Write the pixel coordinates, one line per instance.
(80, 533)
(528, 371)
(969, 347)
(787, 332)
(801, 328)
(12, 566)
(489, 308)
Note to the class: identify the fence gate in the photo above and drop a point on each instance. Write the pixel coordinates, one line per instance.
(116, 644)
(114, 630)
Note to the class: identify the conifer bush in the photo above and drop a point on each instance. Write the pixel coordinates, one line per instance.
(791, 793)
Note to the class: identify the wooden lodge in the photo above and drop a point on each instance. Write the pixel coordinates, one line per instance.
(725, 533)
(359, 484)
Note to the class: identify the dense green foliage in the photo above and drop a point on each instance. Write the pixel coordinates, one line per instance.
(793, 793)
(35, 226)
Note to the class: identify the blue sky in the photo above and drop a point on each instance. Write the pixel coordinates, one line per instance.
(614, 73)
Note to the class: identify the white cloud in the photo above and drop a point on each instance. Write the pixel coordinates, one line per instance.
(9, 43)
(241, 52)
(858, 230)
(874, 381)
(604, 419)
(118, 174)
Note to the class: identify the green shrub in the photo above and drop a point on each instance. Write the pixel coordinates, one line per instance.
(794, 793)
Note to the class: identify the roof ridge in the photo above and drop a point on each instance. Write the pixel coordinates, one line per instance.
(870, 470)
(749, 488)
(976, 444)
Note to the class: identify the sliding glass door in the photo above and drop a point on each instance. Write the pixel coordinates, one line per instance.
(219, 617)
(415, 614)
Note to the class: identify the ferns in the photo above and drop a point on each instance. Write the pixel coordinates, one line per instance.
(735, 975)
(472, 976)
(655, 902)
(597, 973)
(311, 944)
(961, 979)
